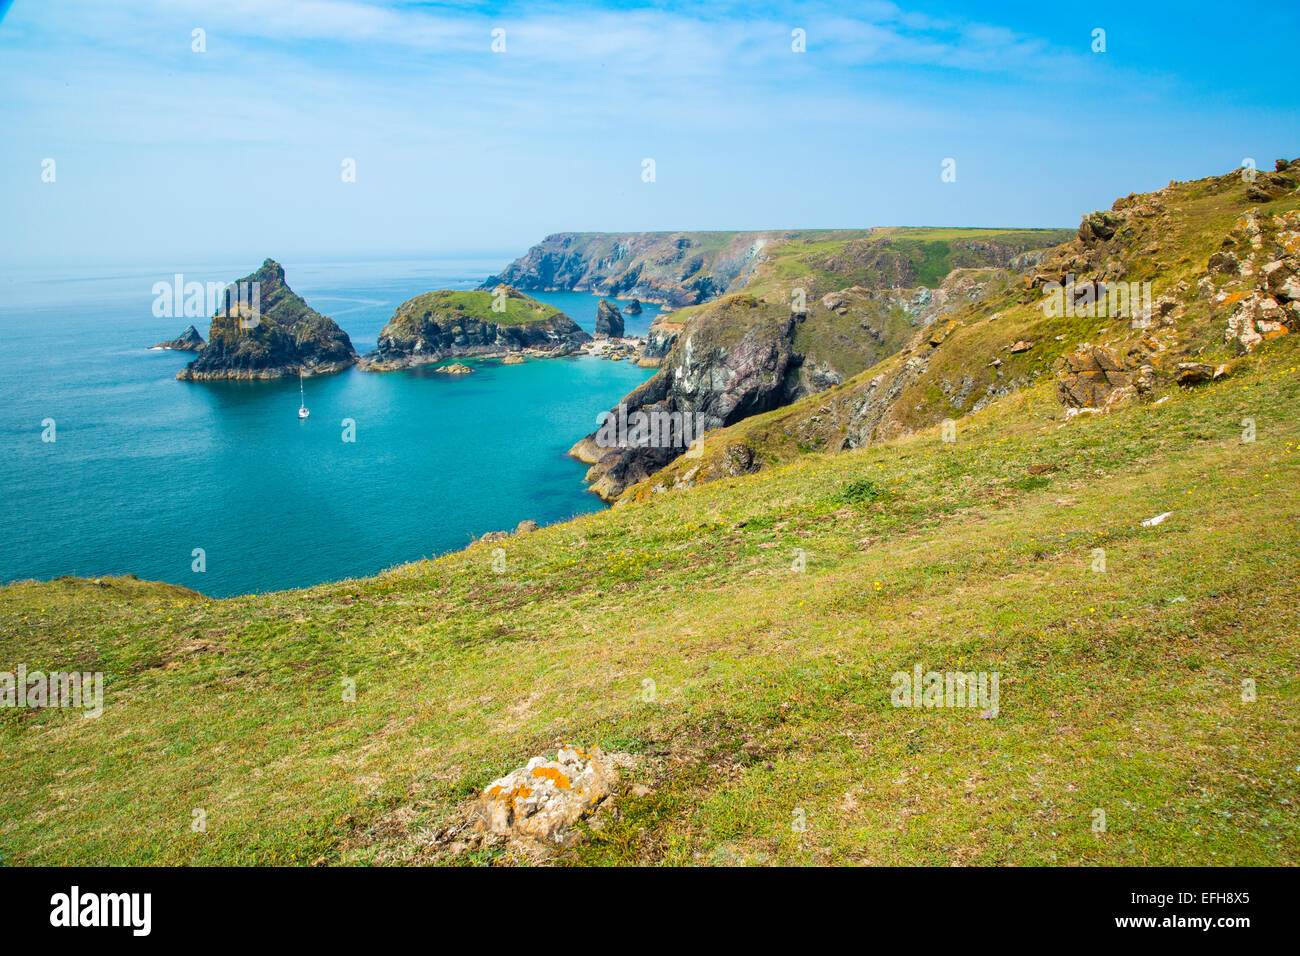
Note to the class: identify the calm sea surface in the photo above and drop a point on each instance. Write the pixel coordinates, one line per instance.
(146, 469)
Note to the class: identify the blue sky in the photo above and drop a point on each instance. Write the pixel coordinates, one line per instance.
(236, 152)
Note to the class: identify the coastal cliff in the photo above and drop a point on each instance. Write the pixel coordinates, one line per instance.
(1208, 274)
(814, 313)
(676, 268)
(269, 333)
(445, 324)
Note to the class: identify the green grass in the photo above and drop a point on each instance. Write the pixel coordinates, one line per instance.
(451, 304)
(1120, 690)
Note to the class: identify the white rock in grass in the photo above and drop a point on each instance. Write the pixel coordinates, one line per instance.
(542, 800)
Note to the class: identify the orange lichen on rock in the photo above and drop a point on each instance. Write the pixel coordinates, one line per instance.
(555, 776)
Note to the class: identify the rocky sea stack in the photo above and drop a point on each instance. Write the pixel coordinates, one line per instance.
(609, 321)
(265, 330)
(188, 341)
(454, 323)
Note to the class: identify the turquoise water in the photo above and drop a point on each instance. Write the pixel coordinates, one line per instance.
(145, 469)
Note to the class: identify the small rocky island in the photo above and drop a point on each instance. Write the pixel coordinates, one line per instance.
(269, 333)
(457, 323)
(188, 341)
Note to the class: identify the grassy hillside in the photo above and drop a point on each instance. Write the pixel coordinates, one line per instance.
(1120, 690)
(1166, 238)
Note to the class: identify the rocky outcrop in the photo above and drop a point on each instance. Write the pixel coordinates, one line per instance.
(455, 370)
(659, 340)
(734, 360)
(634, 307)
(1254, 279)
(1099, 377)
(609, 320)
(265, 330)
(445, 324)
(187, 341)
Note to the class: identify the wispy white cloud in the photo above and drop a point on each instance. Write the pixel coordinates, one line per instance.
(458, 144)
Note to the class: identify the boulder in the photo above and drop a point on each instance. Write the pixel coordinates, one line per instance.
(1225, 262)
(1280, 279)
(540, 802)
(525, 526)
(1193, 373)
(634, 307)
(1098, 227)
(1094, 377)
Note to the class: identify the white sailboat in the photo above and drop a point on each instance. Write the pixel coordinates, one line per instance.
(302, 404)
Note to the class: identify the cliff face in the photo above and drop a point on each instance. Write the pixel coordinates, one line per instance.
(659, 340)
(736, 359)
(280, 337)
(815, 312)
(446, 323)
(689, 268)
(678, 268)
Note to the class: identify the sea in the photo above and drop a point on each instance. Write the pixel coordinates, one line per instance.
(111, 466)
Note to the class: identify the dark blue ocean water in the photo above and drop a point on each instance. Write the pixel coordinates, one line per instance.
(145, 469)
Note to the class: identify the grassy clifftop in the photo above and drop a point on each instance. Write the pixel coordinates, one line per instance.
(739, 638)
(678, 630)
(451, 305)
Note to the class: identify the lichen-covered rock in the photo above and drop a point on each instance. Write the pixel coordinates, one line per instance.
(1255, 318)
(1094, 377)
(1193, 373)
(1260, 299)
(541, 801)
